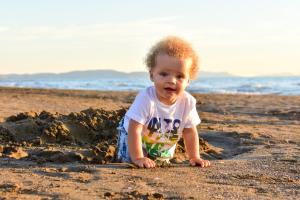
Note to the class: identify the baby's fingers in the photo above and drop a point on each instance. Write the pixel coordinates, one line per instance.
(140, 164)
(206, 163)
(145, 163)
(149, 163)
(201, 163)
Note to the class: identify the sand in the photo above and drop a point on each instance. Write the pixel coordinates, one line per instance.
(60, 144)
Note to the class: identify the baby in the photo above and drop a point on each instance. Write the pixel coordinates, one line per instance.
(161, 114)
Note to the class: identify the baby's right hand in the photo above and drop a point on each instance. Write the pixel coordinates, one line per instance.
(144, 162)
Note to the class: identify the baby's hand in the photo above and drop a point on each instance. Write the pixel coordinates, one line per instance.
(144, 162)
(200, 162)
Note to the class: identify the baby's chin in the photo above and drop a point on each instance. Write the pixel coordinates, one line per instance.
(173, 98)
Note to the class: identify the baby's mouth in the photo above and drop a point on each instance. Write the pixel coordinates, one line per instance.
(169, 89)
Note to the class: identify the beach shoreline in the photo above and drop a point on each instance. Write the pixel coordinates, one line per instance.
(253, 143)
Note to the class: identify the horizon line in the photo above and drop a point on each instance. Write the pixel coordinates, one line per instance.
(200, 72)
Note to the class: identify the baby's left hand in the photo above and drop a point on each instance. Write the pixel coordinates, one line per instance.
(199, 162)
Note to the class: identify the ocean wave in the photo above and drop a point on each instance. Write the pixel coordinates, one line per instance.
(256, 86)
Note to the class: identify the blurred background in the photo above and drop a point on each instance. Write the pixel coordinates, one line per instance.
(247, 47)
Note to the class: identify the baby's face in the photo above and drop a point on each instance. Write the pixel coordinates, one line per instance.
(170, 75)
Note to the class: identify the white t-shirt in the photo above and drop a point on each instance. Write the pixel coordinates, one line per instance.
(163, 124)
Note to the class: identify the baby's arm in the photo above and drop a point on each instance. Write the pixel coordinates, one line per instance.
(191, 140)
(135, 146)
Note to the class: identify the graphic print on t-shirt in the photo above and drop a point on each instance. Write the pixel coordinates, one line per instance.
(161, 136)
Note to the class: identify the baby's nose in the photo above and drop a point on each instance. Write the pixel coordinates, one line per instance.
(172, 79)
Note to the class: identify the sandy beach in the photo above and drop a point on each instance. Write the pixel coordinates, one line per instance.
(60, 144)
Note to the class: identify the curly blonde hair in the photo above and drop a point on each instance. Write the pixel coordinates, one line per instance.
(173, 46)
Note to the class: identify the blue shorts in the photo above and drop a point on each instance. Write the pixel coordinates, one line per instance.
(123, 152)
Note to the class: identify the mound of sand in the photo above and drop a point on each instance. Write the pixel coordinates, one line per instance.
(89, 136)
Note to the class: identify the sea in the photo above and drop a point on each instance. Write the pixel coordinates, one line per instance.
(286, 85)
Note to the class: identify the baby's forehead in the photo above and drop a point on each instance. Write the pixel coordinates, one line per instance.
(164, 55)
(168, 62)
(165, 58)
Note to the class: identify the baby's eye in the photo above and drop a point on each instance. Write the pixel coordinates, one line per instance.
(179, 76)
(163, 74)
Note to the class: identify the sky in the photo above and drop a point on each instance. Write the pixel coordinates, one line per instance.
(246, 38)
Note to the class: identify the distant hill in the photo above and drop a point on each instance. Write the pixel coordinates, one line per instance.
(91, 75)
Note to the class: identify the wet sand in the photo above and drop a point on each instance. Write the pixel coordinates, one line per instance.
(60, 144)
